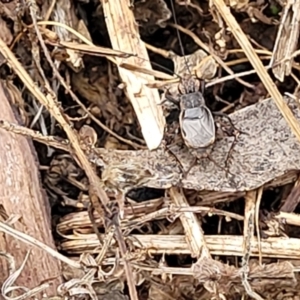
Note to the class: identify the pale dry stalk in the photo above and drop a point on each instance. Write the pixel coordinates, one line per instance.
(124, 36)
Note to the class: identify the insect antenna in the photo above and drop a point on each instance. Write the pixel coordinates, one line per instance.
(162, 67)
(179, 36)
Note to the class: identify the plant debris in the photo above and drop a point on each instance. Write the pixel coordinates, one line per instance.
(88, 81)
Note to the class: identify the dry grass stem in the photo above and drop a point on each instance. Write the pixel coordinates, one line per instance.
(129, 221)
(191, 225)
(227, 245)
(125, 36)
(249, 225)
(216, 58)
(34, 242)
(286, 40)
(257, 65)
(52, 106)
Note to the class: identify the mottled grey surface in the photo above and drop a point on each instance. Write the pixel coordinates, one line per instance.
(267, 151)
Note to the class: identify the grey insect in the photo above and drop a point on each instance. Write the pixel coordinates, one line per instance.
(196, 120)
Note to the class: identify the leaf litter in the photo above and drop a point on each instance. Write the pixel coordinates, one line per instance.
(88, 79)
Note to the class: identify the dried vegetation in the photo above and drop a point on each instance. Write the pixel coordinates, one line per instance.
(87, 78)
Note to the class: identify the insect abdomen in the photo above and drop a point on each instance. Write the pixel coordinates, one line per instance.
(197, 127)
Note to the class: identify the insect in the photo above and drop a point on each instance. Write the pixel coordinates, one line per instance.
(196, 120)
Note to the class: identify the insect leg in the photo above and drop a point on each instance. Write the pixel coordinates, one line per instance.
(202, 86)
(225, 169)
(179, 162)
(207, 154)
(229, 153)
(236, 132)
(193, 163)
(221, 114)
(171, 99)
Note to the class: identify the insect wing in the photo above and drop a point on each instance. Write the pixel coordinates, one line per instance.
(197, 127)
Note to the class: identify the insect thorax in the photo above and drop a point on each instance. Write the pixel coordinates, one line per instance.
(191, 100)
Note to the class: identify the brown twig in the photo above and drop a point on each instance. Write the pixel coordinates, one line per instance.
(124, 254)
(52, 141)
